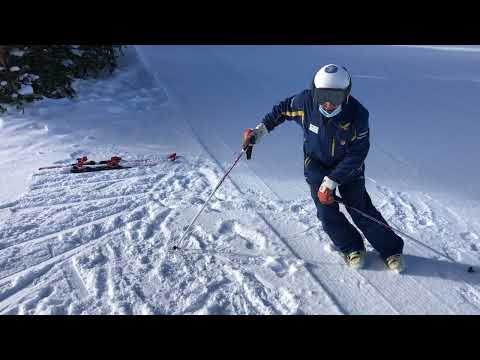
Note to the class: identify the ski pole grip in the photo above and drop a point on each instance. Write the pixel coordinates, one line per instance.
(338, 199)
(248, 141)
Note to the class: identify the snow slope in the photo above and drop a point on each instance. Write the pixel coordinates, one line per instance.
(100, 243)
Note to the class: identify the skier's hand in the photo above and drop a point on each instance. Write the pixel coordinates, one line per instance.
(325, 195)
(326, 191)
(248, 138)
(253, 136)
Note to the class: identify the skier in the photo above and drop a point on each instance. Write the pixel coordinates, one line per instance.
(336, 143)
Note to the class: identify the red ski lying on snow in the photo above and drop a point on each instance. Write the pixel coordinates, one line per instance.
(85, 165)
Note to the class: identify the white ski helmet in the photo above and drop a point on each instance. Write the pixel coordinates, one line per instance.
(331, 83)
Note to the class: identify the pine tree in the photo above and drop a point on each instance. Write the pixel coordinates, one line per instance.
(32, 72)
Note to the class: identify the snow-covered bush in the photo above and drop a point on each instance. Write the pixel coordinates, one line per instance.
(32, 72)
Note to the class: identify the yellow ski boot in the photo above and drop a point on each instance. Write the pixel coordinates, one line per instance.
(356, 259)
(395, 263)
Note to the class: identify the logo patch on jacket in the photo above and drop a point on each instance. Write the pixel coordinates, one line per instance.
(313, 128)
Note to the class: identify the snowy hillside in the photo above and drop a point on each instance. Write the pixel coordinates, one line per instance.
(100, 243)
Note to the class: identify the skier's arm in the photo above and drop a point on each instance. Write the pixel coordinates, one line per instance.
(289, 109)
(356, 153)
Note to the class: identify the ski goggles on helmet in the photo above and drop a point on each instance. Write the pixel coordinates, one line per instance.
(335, 96)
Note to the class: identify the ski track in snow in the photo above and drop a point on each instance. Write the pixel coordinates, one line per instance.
(39, 253)
(100, 243)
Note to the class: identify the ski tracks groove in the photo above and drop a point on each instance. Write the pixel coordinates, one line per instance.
(19, 287)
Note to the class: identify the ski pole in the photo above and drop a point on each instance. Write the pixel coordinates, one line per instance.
(391, 228)
(211, 195)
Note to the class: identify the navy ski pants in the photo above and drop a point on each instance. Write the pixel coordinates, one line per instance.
(343, 234)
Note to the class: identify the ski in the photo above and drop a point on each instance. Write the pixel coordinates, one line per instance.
(92, 163)
(83, 169)
(83, 161)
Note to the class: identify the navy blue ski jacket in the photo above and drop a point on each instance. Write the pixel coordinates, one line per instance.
(336, 146)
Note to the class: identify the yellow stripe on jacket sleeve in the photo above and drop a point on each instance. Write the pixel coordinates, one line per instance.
(307, 161)
(294, 114)
(354, 135)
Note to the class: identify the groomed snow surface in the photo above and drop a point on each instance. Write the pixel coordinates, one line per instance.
(101, 243)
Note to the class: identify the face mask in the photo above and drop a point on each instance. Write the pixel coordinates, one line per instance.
(330, 114)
